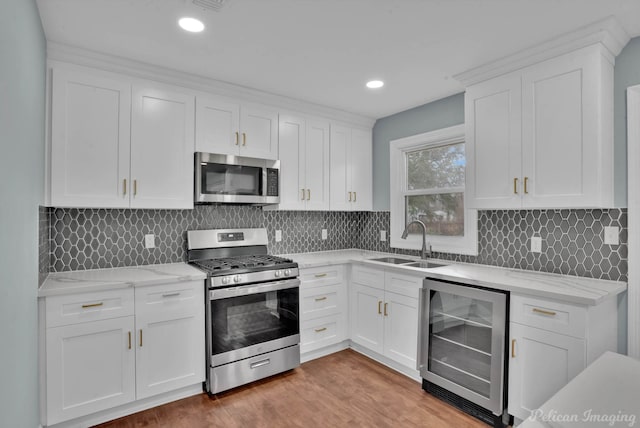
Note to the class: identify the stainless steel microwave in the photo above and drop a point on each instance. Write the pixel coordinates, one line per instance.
(236, 179)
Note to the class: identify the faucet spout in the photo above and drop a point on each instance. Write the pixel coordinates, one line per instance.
(424, 252)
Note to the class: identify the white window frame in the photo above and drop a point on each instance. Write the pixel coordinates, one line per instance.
(467, 244)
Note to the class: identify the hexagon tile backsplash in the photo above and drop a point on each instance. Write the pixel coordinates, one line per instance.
(76, 239)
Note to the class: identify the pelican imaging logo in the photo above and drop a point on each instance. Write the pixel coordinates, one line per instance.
(587, 418)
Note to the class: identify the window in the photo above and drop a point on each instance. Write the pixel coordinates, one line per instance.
(428, 184)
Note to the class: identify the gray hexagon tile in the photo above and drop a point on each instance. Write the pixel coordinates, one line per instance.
(76, 239)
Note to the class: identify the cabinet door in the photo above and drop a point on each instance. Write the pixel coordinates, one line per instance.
(360, 163)
(561, 132)
(217, 125)
(401, 329)
(541, 363)
(493, 143)
(162, 146)
(169, 337)
(292, 137)
(90, 367)
(340, 180)
(90, 118)
(317, 169)
(259, 128)
(366, 317)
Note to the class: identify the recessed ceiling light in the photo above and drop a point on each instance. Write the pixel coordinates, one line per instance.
(191, 24)
(375, 84)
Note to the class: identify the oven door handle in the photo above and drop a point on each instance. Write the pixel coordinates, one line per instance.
(245, 290)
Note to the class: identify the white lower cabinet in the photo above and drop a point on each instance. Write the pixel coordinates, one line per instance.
(90, 367)
(550, 343)
(323, 307)
(384, 313)
(102, 350)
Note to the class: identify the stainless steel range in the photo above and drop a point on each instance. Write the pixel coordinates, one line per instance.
(252, 325)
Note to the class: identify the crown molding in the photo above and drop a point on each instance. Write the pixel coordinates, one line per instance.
(607, 32)
(136, 69)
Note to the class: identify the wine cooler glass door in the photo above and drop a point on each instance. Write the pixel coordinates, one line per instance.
(462, 341)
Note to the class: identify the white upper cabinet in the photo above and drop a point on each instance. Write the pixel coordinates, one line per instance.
(542, 136)
(351, 178)
(226, 127)
(304, 164)
(112, 149)
(90, 117)
(162, 148)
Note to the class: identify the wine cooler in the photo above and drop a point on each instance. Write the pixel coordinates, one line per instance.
(462, 347)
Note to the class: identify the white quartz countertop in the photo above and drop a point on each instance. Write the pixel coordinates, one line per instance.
(106, 279)
(572, 289)
(605, 394)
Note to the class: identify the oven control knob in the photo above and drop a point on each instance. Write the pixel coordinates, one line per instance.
(225, 279)
(277, 273)
(236, 278)
(287, 272)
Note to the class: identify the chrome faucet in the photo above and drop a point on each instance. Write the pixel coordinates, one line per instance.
(425, 253)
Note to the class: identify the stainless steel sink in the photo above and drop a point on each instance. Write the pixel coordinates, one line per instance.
(392, 260)
(424, 264)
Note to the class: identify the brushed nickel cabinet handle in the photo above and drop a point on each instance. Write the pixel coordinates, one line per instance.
(320, 330)
(513, 348)
(320, 275)
(320, 299)
(308, 194)
(379, 307)
(129, 340)
(349, 196)
(355, 196)
(244, 139)
(135, 187)
(543, 312)
(92, 305)
(386, 314)
(526, 179)
(124, 187)
(141, 338)
(237, 138)
(515, 186)
(171, 294)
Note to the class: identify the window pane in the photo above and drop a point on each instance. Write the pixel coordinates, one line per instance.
(443, 213)
(436, 167)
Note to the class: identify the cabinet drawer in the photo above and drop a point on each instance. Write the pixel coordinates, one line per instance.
(406, 285)
(321, 276)
(320, 302)
(549, 315)
(320, 332)
(173, 299)
(368, 276)
(85, 307)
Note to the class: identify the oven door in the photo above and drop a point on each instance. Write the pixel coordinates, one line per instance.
(250, 320)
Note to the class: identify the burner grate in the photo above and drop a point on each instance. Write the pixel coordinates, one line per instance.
(242, 262)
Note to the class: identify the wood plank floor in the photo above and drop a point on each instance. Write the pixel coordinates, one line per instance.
(344, 389)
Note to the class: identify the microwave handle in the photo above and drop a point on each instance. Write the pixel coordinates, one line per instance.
(225, 293)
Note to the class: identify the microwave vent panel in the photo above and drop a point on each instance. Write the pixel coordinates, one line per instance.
(215, 5)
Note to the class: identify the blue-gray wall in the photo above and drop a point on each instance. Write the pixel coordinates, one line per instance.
(450, 111)
(626, 73)
(429, 117)
(22, 101)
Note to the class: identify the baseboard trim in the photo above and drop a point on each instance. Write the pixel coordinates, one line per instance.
(323, 352)
(411, 374)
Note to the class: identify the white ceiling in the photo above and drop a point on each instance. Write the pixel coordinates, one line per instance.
(323, 51)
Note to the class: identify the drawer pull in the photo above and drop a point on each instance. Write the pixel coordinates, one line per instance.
(92, 305)
(129, 340)
(379, 307)
(320, 275)
(260, 363)
(513, 348)
(386, 314)
(320, 299)
(320, 330)
(543, 312)
(171, 294)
